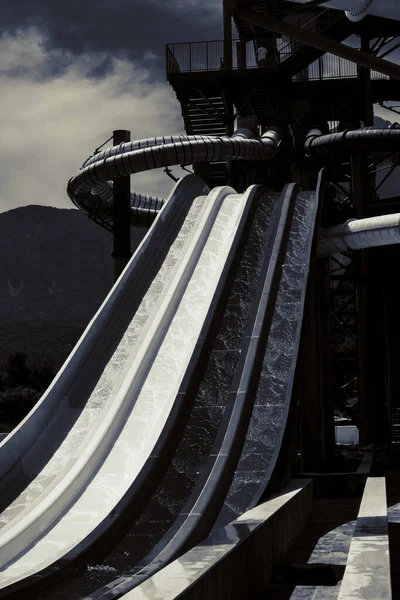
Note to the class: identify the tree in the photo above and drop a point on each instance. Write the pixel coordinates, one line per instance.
(21, 387)
(17, 372)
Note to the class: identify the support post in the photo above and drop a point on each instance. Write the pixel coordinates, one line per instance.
(227, 64)
(362, 192)
(241, 53)
(313, 375)
(325, 351)
(227, 24)
(364, 76)
(121, 213)
(358, 185)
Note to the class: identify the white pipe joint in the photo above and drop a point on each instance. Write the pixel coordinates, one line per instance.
(356, 234)
(361, 12)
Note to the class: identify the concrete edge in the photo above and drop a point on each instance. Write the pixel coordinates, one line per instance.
(238, 559)
(367, 573)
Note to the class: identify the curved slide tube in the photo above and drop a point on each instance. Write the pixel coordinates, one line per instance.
(106, 463)
(356, 10)
(91, 189)
(353, 140)
(356, 234)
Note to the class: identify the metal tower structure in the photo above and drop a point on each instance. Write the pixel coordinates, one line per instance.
(297, 67)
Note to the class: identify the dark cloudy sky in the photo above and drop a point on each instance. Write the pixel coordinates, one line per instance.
(71, 71)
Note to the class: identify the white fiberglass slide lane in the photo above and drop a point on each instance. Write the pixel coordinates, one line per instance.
(124, 440)
(91, 375)
(44, 445)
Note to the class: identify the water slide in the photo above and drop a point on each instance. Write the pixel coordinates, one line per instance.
(255, 392)
(102, 437)
(108, 422)
(94, 442)
(249, 445)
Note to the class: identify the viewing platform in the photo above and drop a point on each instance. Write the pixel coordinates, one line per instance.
(208, 57)
(274, 82)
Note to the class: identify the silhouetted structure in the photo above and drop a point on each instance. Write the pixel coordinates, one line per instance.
(270, 75)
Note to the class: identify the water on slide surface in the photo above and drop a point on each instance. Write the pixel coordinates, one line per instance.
(274, 390)
(72, 423)
(199, 434)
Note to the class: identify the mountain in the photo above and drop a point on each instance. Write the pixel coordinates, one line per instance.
(55, 271)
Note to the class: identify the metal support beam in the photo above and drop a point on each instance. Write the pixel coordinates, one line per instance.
(227, 23)
(241, 54)
(322, 43)
(121, 213)
(325, 350)
(313, 374)
(364, 77)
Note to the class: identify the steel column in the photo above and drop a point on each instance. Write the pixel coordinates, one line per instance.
(364, 76)
(313, 375)
(362, 191)
(121, 213)
(227, 25)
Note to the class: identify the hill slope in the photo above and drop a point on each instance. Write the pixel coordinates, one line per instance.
(55, 271)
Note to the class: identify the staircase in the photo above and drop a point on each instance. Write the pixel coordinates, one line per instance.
(262, 103)
(205, 115)
(265, 7)
(294, 56)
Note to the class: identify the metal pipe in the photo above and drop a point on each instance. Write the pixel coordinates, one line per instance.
(356, 234)
(91, 188)
(356, 10)
(322, 43)
(369, 139)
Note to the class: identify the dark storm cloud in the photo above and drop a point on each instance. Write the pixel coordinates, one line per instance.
(51, 120)
(131, 28)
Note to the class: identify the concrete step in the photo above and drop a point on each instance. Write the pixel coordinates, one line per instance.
(367, 573)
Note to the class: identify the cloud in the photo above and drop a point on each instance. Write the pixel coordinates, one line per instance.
(131, 26)
(55, 110)
(207, 8)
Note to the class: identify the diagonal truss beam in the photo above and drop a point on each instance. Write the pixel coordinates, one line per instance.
(322, 43)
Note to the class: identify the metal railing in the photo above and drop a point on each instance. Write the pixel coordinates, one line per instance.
(195, 57)
(311, 22)
(209, 56)
(330, 66)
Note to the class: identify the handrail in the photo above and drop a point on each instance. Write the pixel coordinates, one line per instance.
(330, 21)
(206, 56)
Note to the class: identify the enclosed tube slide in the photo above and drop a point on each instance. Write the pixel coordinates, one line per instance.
(368, 139)
(356, 10)
(91, 189)
(357, 234)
